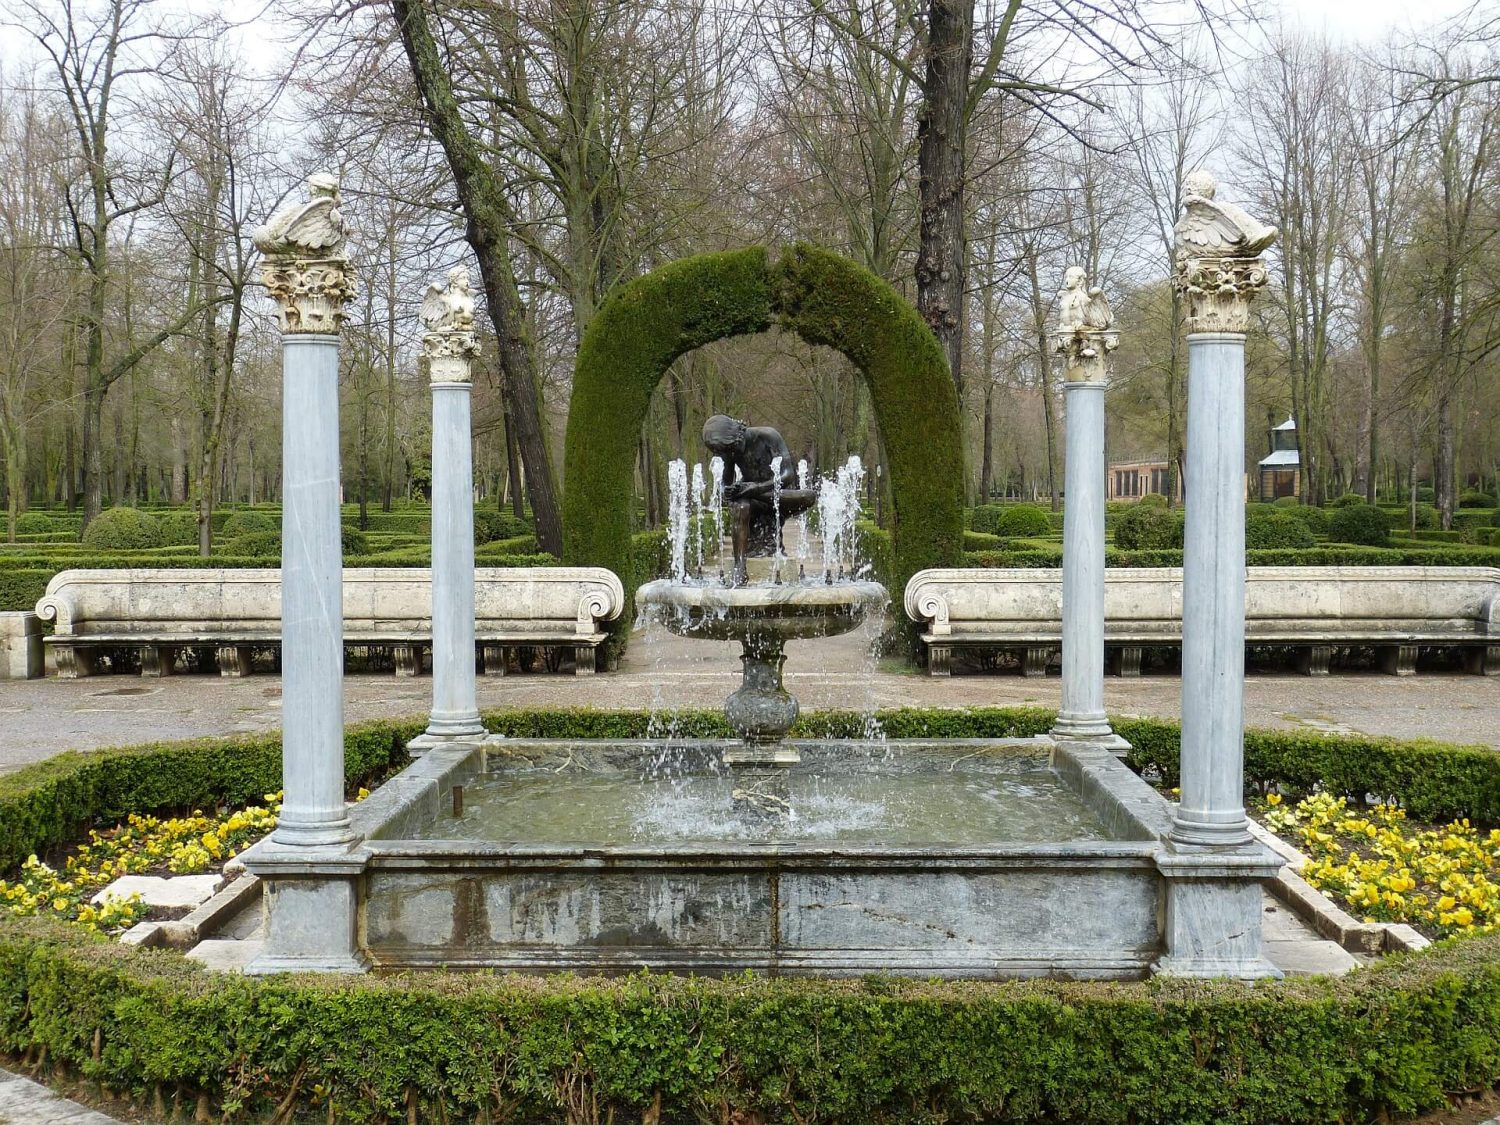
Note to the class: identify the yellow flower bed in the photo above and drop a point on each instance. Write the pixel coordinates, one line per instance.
(185, 845)
(1445, 880)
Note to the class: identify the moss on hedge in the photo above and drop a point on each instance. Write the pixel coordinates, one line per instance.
(824, 298)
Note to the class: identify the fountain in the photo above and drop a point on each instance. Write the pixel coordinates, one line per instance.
(765, 614)
(994, 857)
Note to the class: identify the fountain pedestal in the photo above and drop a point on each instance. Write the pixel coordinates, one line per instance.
(762, 619)
(762, 710)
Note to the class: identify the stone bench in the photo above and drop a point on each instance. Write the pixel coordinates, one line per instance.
(234, 612)
(1396, 609)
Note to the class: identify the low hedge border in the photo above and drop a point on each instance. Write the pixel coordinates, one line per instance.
(1392, 1039)
(53, 802)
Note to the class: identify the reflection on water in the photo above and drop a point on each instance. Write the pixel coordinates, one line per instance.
(978, 799)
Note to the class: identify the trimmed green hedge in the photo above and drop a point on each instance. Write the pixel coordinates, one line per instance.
(1391, 1039)
(826, 299)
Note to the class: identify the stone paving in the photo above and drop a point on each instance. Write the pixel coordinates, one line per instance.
(44, 717)
(24, 1102)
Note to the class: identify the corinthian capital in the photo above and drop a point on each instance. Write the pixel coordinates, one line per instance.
(448, 315)
(1085, 334)
(304, 265)
(1216, 249)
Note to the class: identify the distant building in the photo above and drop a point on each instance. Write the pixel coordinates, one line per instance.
(1281, 470)
(1130, 480)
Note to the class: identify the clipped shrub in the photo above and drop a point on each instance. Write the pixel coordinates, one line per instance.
(980, 541)
(34, 523)
(179, 527)
(1287, 502)
(253, 545)
(1023, 521)
(353, 540)
(1425, 495)
(1149, 527)
(1361, 524)
(982, 518)
(487, 526)
(1152, 500)
(123, 529)
(1276, 529)
(1347, 499)
(1473, 498)
(1495, 518)
(247, 522)
(1314, 517)
(1427, 517)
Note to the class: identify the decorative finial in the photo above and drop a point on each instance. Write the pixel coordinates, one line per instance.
(1217, 247)
(305, 265)
(447, 314)
(1085, 329)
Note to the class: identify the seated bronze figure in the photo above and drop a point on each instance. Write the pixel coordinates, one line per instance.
(750, 498)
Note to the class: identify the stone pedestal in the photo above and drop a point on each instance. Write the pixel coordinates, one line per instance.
(312, 909)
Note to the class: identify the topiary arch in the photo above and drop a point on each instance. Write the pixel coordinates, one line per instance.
(823, 297)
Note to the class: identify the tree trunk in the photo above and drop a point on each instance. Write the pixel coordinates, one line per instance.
(487, 230)
(942, 134)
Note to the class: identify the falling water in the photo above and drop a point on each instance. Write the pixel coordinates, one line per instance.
(838, 509)
(802, 517)
(697, 497)
(677, 517)
(716, 506)
(776, 508)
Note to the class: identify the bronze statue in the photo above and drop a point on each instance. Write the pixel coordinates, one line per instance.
(750, 496)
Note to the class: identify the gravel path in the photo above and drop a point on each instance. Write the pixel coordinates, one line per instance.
(44, 717)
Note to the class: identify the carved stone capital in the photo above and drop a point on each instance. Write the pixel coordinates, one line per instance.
(309, 292)
(1218, 290)
(449, 354)
(1085, 354)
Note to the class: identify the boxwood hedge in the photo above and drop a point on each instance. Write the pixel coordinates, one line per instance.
(1391, 1039)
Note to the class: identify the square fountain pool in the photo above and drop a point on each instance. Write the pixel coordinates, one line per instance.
(934, 858)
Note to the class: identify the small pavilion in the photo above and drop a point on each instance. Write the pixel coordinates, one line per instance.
(1281, 469)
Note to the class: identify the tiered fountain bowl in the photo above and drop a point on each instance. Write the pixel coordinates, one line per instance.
(763, 618)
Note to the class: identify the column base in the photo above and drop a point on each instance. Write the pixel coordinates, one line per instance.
(427, 740)
(1065, 730)
(312, 909)
(1212, 921)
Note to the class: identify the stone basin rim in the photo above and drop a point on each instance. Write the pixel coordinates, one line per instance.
(797, 597)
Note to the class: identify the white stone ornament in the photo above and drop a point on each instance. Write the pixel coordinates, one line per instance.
(305, 267)
(1216, 248)
(1084, 335)
(447, 314)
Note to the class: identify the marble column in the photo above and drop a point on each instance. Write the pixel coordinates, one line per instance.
(310, 294)
(1212, 865)
(311, 861)
(1084, 338)
(449, 347)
